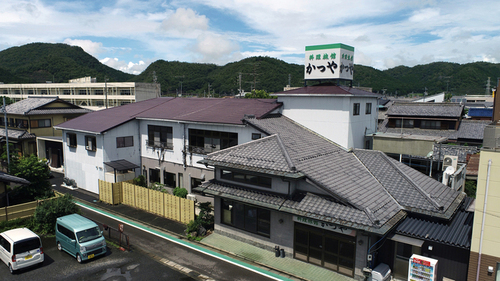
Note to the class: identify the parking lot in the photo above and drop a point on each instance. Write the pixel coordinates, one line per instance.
(115, 265)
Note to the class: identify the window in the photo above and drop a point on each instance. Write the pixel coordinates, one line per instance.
(125, 92)
(425, 124)
(246, 178)
(355, 109)
(406, 123)
(124, 141)
(71, 140)
(90, 143)
(204, 141)
(159, 136)
(43, 92)
(41, 123)
(246, 217)
(256, 136)
(21, 123)
(154, 175)
(82, 92)
(98, 92)
(368, 109)
(66, 92)
(195, 182)
(169, 179)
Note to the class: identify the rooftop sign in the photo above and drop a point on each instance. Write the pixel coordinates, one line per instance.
(333, 61)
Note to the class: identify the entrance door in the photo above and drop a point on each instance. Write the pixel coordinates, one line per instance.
(325, 248)
(316, 248)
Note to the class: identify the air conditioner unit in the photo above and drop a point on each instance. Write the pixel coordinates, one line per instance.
(380, 273)
(450, 160)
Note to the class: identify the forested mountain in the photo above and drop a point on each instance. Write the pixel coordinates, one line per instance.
(40, 62)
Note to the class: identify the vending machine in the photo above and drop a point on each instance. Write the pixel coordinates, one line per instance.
(422, 268)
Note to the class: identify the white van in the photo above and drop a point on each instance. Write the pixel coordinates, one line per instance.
(20, 248)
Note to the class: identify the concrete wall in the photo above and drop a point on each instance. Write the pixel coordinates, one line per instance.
(332, 117)
(403, 145)
(490, 250)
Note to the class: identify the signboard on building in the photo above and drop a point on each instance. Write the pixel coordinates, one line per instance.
(333, 61)
(422, 268)
(325, 225)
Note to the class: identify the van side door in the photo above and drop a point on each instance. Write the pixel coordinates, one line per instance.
(4, 250)
(67, 239)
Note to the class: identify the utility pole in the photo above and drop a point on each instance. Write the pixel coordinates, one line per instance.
(208, 89)
(155, 80)
(180, 81)
(106, 90)
(4, 110)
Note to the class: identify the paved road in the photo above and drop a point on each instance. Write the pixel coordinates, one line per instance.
(205, 264)
(114, 266)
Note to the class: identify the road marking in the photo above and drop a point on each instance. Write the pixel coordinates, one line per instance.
(186, 244)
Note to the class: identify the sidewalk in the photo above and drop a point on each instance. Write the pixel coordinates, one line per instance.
(287, 267)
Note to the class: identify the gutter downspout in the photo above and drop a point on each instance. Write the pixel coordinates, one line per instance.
(482, 223)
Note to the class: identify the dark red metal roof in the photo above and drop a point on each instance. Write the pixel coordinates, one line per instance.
(327, 90)
(209, 110)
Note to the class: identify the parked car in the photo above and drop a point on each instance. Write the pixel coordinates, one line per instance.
(20, 248)
(80, 237)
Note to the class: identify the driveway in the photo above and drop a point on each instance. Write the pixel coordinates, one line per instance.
(115, 265)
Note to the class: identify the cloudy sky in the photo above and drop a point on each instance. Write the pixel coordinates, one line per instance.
(130, 34)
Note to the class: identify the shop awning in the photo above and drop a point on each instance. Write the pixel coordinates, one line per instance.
(407, 240)
(121, 165)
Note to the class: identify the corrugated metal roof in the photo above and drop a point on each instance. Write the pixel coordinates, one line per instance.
(327, 90)
(457, 232)
(480, 112)
(207, 110)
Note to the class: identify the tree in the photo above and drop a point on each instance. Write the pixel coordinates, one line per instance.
(259, 94)
(37, 172)
(45, 216)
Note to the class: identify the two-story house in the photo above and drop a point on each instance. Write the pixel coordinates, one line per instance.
(30, 126)
(163, 137)
(413, 132)
(321, 203)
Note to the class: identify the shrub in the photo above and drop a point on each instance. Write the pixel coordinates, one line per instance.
(140, 181)
(44, 219)
(180, 192)
(16, 223)
(204, 221)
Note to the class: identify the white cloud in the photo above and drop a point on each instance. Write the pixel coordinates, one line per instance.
(93, 48)
(215, 48)
(184, 21)
(130, 67)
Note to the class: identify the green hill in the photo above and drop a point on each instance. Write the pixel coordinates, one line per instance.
(40, 62)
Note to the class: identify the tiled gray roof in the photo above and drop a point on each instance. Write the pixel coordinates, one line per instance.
(417, 192)
(365, 191)
(265, 155)
(441, 150)
(17, 134)
(472, 129)
(426, 109)
(37, 106)
(457, 232)
(46, 111)
(468, 129)
(24, 106)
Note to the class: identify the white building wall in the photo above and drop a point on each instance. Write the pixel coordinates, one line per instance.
(81, 165)
(331, 117)
(173, 160)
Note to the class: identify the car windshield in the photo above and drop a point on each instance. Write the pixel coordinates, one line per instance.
(88, 234)
(26, 245)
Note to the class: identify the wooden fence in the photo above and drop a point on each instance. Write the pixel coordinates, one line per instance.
(156, 202)
(21, 210)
